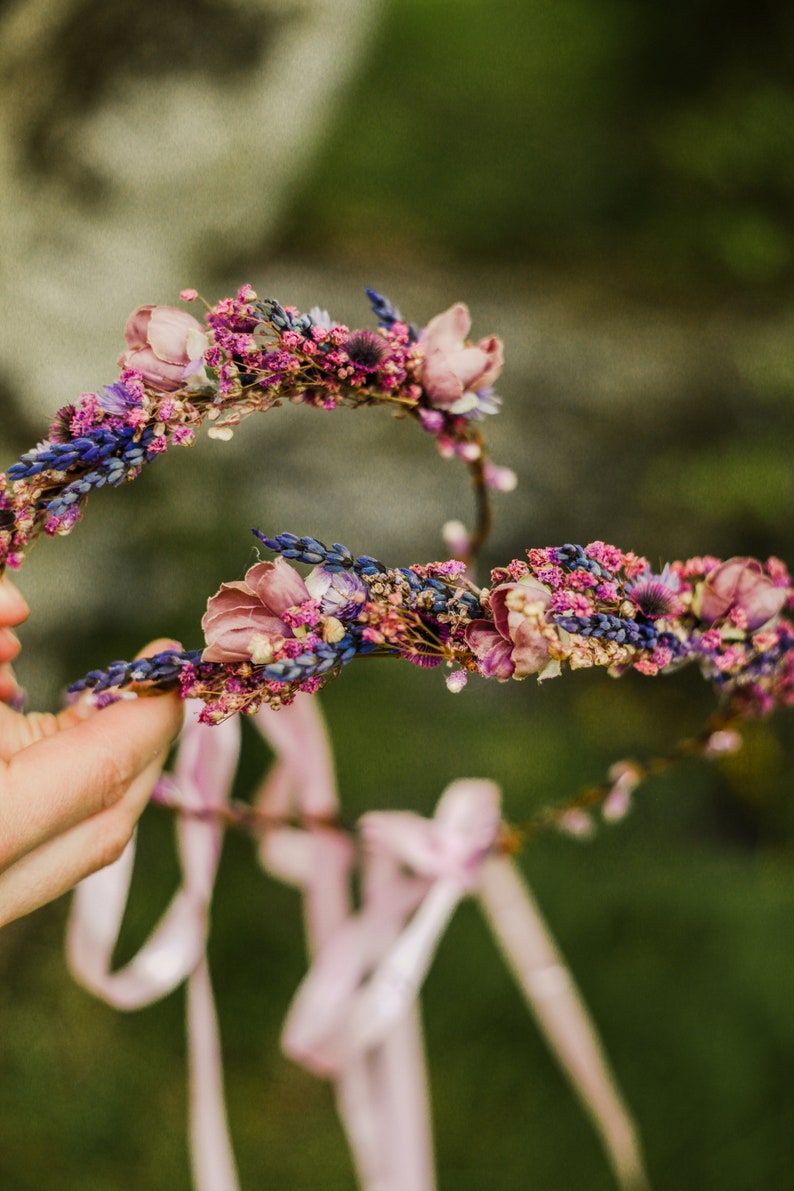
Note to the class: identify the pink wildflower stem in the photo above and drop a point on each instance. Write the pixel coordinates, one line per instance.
(551, 994)
(594, 796)
(482, 494)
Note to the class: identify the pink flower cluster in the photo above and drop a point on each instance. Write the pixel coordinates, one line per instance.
(600, 607)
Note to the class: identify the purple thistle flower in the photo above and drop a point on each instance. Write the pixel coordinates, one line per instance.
(657, 595)
(366, 350)
(60, 430)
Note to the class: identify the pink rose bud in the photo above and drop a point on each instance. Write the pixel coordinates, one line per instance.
(243, 618)
(432, 420)
(456, 681)
(576, 823)
(499, 479)
(451, 366)
(457, 538)
(740, 585)
(162, 341)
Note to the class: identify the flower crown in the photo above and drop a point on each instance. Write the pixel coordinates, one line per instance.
(276, 633)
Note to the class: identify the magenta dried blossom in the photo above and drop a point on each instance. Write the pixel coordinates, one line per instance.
(250, 355)
(277, 634)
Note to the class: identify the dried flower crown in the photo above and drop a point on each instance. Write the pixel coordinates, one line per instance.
(276, 634)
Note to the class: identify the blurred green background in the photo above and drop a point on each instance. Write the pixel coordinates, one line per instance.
(609, 185)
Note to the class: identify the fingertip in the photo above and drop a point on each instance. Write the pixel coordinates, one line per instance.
(9, 645)
(13, 606)
(159, 645)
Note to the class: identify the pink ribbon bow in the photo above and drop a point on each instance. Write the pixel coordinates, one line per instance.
(359, 999)
(355, 1016)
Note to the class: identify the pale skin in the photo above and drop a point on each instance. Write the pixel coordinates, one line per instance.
(72, 786)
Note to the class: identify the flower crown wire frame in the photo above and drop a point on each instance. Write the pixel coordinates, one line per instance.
(277, 634)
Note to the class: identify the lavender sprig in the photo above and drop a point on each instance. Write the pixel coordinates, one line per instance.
(387, 313)
(161, 671)
(315, 553)
(612, 628)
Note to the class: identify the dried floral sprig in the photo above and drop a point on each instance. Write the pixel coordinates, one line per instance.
(276, 634)
(251, 355)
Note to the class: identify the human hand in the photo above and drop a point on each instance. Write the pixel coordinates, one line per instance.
(72, 786)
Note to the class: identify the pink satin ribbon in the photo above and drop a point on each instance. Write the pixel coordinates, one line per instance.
(355, 1016)
(176, 950)
(362, 988)
(381, 1096)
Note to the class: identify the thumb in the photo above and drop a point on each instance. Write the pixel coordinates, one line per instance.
(20, 731)
(79, 767)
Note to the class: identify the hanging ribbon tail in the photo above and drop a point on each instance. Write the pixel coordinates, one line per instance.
(302, 781)
(381, 1093)
(297, 734)
(201, 784)
(319, 860)
(400, 1068)
(315, 1032)
(399, 1065)
(211, 1153)
(203, 775)
(549, 990)
(358, 1003)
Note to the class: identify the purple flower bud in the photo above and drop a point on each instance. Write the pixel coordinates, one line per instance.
(339, 593)
(118, 399)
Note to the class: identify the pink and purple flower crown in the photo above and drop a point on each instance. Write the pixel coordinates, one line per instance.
(277, 633)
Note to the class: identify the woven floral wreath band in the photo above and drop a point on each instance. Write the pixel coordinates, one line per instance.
(277, 633)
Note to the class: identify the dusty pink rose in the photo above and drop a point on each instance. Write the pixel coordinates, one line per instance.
(162, 343)
(740, 583)
(451, 366)
(243, 620)
(510, 646)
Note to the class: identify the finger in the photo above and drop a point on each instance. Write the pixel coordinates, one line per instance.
(84, 707)
(81, 770)
(59, 864)
(9, 645)
(9, 686)
(19, 731)
(13, 608)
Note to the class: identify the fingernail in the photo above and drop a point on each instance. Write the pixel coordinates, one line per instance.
(84, 706)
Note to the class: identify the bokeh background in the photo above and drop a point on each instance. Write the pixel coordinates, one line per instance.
(609, 185)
